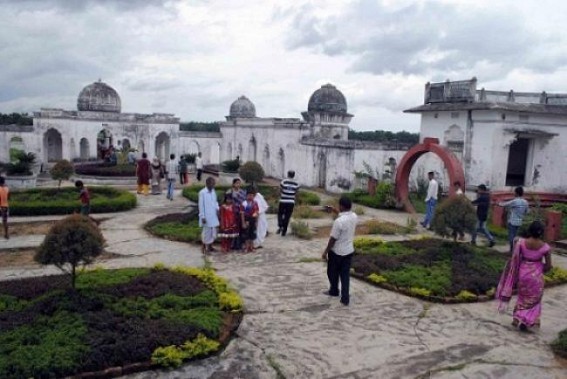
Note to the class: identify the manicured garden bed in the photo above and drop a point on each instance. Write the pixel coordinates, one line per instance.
(53, 201)
(106, 169)
(434, 269)
(121, 321)
(183, 227)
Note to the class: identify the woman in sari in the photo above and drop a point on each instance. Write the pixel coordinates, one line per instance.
(530, 259)
(228, 223)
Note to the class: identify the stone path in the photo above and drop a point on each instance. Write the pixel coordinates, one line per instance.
(292, 330)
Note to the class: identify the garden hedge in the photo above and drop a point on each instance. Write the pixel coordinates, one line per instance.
(53, 201)
(106, 169)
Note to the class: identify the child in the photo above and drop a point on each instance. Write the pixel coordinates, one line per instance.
(84, 197)
(4, 196)
(249, 216)
(228, 224)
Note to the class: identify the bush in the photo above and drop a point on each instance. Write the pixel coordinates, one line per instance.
(23, 164)
(559, 346)
(301, 230)
(75, 240)
(384, 197)
(230, 166)
(305, 211)
(383, 227)
(251, 172)
(308, 198)
(52, 201)
(63, 170)
(453, 216)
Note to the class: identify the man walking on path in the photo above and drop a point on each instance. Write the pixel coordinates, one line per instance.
(482, 203)
(183, 171)
(208, 214)
(430, 199)
(85, 198)
(4, 208)
(171, 176)
(517, 208)
(199, 166)
(340, 249)
(288, 191)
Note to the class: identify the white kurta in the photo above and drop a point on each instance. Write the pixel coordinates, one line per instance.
(262, 228)
(208, 210)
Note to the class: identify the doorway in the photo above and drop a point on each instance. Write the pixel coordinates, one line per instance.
(517, 162)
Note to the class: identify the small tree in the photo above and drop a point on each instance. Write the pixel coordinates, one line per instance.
(73, 241)
(23, 164)
(454, 216)
(63, 170)
(251, 172)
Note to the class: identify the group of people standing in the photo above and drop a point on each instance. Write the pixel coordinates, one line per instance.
(241, 217)
(155, 171)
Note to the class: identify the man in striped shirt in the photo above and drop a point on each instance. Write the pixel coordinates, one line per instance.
(288, 190)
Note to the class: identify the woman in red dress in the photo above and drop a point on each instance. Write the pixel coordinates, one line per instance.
(228, 224)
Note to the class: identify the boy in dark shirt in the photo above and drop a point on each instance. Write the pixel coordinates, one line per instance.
(84, 197)
(482, 203)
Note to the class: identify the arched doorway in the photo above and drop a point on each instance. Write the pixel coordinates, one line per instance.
(429, 145)
(215, 153)
(162, 146)
(126, 146)
(84, 149)
(52, 145)
(228, 152)
(321, 170)
(72, 150)
(281, 163)
(266, 161)
(252, 149)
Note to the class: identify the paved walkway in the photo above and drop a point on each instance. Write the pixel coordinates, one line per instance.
(292, 330)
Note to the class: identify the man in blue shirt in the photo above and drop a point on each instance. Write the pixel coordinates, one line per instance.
(517, 208)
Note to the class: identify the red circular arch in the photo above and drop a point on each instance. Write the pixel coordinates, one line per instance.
(429, 145)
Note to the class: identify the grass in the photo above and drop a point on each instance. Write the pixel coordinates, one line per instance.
(417, 202)
(114, 318)
(306, 211)
(301, 230)
(559, 345)
(183, 227)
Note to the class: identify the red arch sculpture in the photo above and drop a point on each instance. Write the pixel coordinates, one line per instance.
(429, 145)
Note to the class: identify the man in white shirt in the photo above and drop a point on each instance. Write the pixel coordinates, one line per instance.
(340, 249)
(208, 214)
(430, 199)
(171, 169)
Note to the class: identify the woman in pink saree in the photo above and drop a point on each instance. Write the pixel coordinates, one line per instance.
(530, 259)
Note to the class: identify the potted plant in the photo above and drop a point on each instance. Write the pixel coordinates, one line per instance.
(19, 174)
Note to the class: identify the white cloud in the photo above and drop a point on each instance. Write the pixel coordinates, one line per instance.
(193, 58)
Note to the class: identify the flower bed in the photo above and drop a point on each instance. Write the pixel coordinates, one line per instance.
(119, 321)
(106, 169)
(182, 227)
(53, 201)
(433, 269)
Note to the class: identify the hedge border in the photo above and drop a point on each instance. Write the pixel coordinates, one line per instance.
(124, 201)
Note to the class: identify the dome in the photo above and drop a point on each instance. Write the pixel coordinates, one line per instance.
(99, 97)
(327, 99)
(242, 108)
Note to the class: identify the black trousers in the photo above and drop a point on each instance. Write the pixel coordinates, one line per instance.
(284, 215)
(199, 173)
(338, 267)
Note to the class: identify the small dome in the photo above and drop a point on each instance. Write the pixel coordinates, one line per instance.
(242, 108)
(327, 99)
(99, 97)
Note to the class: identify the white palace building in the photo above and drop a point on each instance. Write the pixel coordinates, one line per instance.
(503, 139)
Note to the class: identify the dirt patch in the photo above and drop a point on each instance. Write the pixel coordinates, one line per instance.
(37, 227)
(24, 257)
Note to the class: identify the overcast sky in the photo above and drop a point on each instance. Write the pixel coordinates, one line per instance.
(193, 58)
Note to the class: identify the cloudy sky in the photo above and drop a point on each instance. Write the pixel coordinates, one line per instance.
(193, 58)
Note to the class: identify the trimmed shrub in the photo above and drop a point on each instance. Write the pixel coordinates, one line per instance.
(559, 346)
(308, 198)
(230, 166)
(251, 172)
(453, 216)
(301, 230)
(53, 201)
(75, 240)
(63, 170)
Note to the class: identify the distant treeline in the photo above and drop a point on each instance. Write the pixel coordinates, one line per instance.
(384, 136)
(15, 119)
(200, 126)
